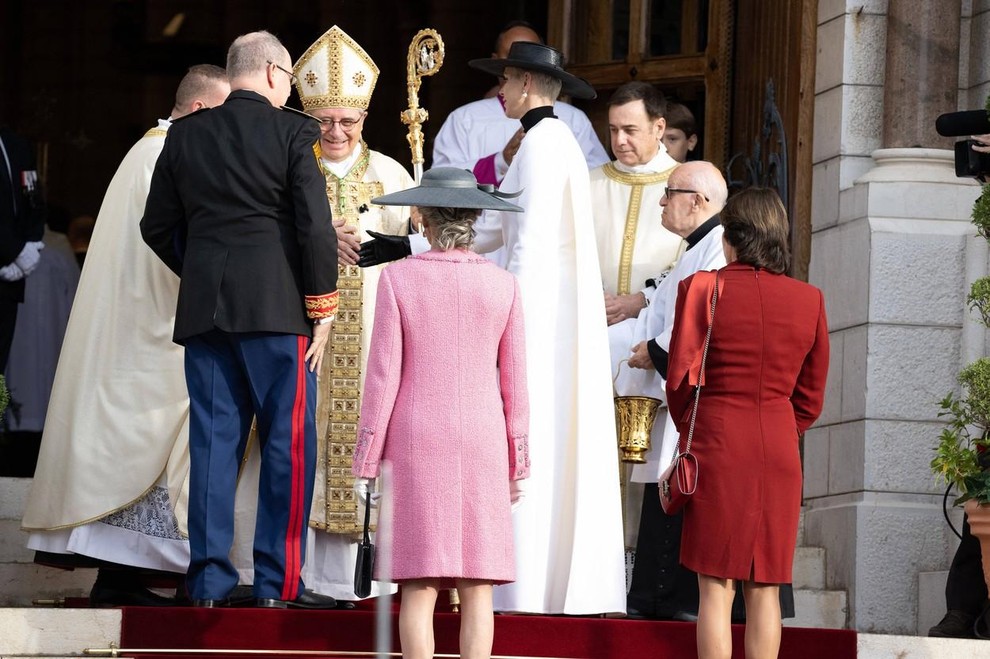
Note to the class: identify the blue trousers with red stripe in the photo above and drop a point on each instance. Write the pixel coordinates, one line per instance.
(231, 378)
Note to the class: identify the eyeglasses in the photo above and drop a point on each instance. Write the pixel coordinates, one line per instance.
(347, 124)
(672, 191)
(292, 76)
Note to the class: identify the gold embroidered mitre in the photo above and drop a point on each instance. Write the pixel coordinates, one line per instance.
(335, 72)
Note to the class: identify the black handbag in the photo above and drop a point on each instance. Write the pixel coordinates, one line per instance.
(365, 556)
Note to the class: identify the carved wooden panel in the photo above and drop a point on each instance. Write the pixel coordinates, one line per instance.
(776, 42)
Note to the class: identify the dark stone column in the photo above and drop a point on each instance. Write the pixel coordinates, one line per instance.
(922, 75)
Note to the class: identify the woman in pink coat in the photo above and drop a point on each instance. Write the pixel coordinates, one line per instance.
(445, 402)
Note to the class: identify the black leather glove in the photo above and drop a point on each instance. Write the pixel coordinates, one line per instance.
(383, 248)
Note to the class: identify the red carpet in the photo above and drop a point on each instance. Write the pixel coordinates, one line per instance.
(535, 636)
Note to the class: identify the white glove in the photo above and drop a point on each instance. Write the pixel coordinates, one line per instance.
(361, 488)
(517, 492)
(11, 272)
(28, 259)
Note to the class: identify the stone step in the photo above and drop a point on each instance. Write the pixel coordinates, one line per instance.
(12, 543)
(809, 568)
(821, 609)
(13, 496)
(22, 583)
(56, 633)
(877, 646)
(60, 632)
(931, 600)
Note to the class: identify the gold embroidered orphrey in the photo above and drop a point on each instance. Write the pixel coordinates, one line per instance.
(636, 182)
(339, 393)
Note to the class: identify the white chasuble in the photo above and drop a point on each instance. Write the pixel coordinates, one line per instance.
(116, 433)
(632, 244)
(568, 530)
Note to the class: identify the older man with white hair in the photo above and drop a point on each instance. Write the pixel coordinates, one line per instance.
(695, 193)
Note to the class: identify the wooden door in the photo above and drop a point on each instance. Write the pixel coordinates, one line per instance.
(744, 67)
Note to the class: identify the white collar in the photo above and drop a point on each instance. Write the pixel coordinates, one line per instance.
(340, 169)
(661, 162)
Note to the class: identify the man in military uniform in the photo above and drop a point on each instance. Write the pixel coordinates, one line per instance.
(335, 78)
(237, 210)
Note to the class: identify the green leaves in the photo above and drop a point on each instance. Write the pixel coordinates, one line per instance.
(981, 213)
(967, 431)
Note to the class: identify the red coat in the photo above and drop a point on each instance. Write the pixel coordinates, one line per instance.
(764, 384)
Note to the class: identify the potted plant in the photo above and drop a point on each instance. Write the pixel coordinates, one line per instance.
(966, 435)
(962, 456)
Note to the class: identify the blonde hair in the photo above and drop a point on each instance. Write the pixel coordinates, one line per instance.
(453, 228)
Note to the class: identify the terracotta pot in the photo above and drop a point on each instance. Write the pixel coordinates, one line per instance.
(979, 526)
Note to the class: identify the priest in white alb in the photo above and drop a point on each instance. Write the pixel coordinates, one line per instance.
(335, 79)
(696, 192)
(633, 247)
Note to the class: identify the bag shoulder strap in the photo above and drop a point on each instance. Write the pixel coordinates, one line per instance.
(701, 377)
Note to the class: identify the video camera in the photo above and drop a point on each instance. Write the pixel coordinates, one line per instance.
(969, 163)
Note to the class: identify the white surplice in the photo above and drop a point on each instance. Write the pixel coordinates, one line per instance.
(568, 530)
(112, 469)
(657, 322)
(479, 129)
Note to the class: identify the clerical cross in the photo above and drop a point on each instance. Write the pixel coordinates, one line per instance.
(359, 79)
(311, 78)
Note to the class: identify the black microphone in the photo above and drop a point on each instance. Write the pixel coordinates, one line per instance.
(968, 122)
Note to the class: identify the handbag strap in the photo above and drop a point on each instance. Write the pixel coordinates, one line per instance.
(367, 518)
(701, 375)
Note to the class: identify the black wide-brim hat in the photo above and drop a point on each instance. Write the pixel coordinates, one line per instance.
(537, 57)
(450, 187)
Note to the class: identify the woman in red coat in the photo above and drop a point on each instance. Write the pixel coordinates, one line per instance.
(763, 386)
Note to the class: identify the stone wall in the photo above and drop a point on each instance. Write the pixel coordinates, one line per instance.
(894, 252)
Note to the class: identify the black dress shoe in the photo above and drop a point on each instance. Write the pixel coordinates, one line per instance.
(104, 595)
(308, 600)
(636, 614)
(211, 604)
(955, 624)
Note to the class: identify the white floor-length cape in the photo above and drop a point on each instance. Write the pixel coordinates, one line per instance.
(568, 530)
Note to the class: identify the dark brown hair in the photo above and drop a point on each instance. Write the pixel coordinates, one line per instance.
(680, 117)
(653, 99)
(756, 226)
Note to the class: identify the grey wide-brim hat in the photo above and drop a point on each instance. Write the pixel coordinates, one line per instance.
(450, 187)
(537, 57)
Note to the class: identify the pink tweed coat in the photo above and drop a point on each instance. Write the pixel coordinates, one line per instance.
(445, 401)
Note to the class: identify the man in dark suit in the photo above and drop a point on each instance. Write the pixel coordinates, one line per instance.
(22, 224)
(238, 209)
